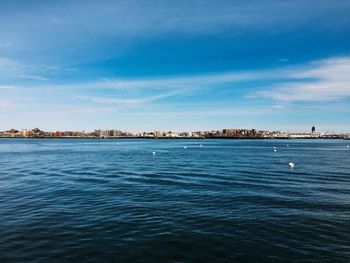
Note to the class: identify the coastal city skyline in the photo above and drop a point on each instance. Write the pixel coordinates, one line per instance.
(159, 65)
(224, 133)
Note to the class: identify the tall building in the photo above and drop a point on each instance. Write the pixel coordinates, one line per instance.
(101, 133)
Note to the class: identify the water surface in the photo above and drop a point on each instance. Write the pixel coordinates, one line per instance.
(76, 200)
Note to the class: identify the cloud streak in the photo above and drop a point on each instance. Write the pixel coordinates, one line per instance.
(130, 102)
(33, 77)
(324, 80)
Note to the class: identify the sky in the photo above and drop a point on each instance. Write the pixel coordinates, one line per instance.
(175, 65)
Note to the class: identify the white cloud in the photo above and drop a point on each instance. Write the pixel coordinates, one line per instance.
(11, 69)
(175, 85)
(130, 102)
(104, 100)
(324, 80)
(186, 82)
(34, 77)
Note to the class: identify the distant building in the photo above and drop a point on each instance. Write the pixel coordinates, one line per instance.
(158, 134)
(115, 133)
(99, 133)
(13, 131)
(102, 133)
(37, 132)
(313, 129)
(25, 133)
(229, 132)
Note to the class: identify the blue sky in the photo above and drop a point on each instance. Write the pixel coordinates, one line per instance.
(175, 65)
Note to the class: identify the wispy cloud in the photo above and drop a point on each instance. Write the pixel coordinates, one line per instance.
(324, 80)
(104, 100)
(130, 102)
(185, 82)
(34, 77)
(173, 85)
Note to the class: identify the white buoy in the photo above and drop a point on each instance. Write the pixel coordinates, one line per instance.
(347, 146)
(291, 165)
(202, 145)
(154, 153)
(185, 147)
(275, 150)
(287, 145)
(274, 147)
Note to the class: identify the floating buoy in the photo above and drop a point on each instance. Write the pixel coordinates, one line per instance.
(291, 165)
(347, 146)
(275, 150)
(287, 145)
(154, 153)
(185, 147)
(202, 145)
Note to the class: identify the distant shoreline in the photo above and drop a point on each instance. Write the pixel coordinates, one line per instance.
(182, 138)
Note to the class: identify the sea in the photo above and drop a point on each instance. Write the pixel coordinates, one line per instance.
(149, 200)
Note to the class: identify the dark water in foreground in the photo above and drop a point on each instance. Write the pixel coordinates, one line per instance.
(228, 201)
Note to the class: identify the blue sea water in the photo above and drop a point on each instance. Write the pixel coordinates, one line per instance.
(87, 200)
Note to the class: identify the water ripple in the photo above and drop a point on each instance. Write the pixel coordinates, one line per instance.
(230, 200)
